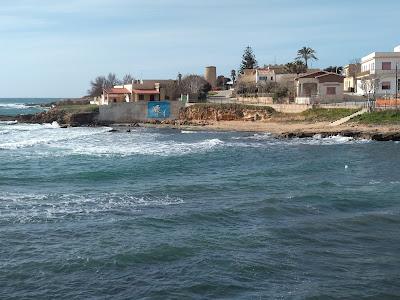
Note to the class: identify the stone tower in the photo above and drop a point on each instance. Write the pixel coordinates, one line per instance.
(211, 76)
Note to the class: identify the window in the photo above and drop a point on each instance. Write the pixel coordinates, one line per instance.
(263, 78)
(141, 97)
(386, 85)
(386, 66)
(331, 90)
(272, 78)
(398, 85)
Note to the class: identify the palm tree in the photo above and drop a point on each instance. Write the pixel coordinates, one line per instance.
(306, 53)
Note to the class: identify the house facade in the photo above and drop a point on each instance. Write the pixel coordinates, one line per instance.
(380, 67)
(319, 87)
(350, 81)
(145, 90)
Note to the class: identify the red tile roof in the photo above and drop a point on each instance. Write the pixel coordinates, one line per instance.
(118, 91)
(146, 92)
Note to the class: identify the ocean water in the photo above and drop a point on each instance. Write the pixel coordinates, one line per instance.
(23, 106)
(171, 214)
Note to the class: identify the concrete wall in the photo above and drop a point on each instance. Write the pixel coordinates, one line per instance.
(290, 108)
(262, 100)
(133, 112)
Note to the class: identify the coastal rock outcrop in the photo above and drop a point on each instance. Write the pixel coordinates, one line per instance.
(61, 117)
(225, 112)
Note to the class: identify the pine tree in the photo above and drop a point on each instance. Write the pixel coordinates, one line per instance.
(233, 75)
(248, 60)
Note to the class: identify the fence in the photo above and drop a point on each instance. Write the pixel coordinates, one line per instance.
(383, 104)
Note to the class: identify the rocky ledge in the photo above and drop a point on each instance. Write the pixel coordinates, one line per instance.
(225, 112)
(57, 115)
(373, 135)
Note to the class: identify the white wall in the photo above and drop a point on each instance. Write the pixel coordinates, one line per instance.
(373, 64)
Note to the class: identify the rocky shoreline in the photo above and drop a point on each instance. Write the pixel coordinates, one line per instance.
(227, 119)
(63, 118)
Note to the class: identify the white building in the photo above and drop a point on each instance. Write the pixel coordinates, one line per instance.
(380, 66)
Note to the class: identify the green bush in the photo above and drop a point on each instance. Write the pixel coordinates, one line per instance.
(379, 117)
(327, 114)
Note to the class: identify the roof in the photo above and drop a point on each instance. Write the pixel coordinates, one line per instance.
(265, 71)
(328, 74)
(312, 74)
(321, 74)
(117, 91)
(146, 92)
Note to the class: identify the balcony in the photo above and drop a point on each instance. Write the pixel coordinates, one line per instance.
(363, 74)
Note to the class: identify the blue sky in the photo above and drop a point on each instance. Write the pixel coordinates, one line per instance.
(53, 48)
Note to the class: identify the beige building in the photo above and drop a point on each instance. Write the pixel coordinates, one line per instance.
(350, 81)
(145, 90)
(318, 87)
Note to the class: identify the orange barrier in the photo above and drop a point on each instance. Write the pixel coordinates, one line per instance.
(387, 102)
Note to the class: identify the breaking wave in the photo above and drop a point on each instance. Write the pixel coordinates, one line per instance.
(23, 136)
(141, 147)
(260, 139)
(17, 106)
(32, 208)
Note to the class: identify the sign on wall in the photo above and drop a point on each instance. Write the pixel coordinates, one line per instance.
(158, 110)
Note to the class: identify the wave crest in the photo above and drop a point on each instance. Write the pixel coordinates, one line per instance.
(34, 208)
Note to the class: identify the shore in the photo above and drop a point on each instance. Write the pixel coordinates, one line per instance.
(294, 129)
(379, 127)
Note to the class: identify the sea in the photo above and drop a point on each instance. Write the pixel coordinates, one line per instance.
(86, 213)
(23, 106)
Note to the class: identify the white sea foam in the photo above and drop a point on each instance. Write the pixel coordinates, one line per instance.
(28, 208)
(8, 122)
(188, 131)
(24, 135)
(142, 146)
(267, 140)
(16, 106)
(50, 140)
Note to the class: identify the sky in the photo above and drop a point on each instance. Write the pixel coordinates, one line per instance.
(53, 48)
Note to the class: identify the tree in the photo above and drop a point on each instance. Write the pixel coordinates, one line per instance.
(195, 85)
(233, 75)
(96, 86)
(172, 90)
(355, 61)
(112, 80)
(306, 54)
(128, 78)
(370, 85)
(295, 67)
(334, 69)
(100, 83)
(248, 60)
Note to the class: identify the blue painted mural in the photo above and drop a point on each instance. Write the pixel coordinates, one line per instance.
(158, 110)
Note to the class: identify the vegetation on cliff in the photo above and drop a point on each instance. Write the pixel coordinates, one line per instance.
(326, 114)
(65, 113)
(379, 118)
